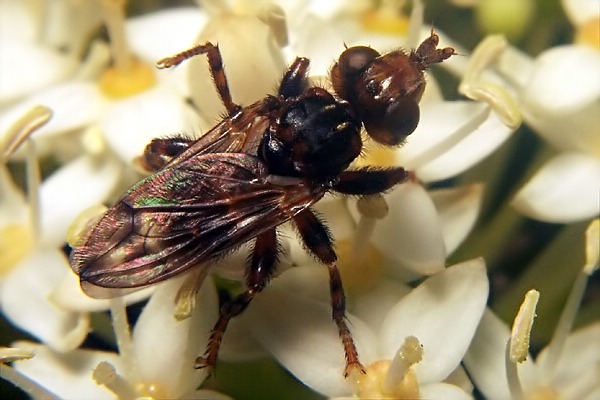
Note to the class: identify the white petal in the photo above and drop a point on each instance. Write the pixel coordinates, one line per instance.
(17, 21)
(165, 349)
(70, 190)
(73, 104)
(580, 356)
(481, 141)
(299, 332)
(411, 233)
(443, 313)
(443, 391)
(252, 60)
(67, 375)
(565, 189)
(163, 34)
(372, 307)
(25, 301)
(580, 11)
(68, 295)
(458, 209)
(130, 124)
(30, 67)
(441, 126)
(239, 345)
(206, 394)
(562, 100)
(485, 359)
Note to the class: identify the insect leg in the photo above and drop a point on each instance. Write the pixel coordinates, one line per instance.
(317, 239)
(295, 80)
(260, 270)
(369, 181)
(215, 63)
(159, 152)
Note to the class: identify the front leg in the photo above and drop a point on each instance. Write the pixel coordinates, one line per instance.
(317, 239)
(215, 63)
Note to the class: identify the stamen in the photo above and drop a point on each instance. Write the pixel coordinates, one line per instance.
(409, 354)
(114, 16)
(185, 299)
(517, 346)
(82, 224)
(569, 312)
(474, 87)
(360, 262)
(33, 188)
(22, 129)
(123, 336)
(10, 354)
(393, 379)
(128, 76)
(520, 335)
(105, 375)
(29, 386)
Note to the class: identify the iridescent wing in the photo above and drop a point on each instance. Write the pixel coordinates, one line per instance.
(240, 133)
(186, 215)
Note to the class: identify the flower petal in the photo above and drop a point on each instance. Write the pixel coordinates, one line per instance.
(25, 301)
(68, 295)
(17, 21)
(372, 307)
(565, 189)
(165, 349)
(411, 233)
(562, 99)
(30, 67)
(483, 138)
(70, 190)
(67, 375)
(580, 11)
(452, 302)
(485, 359)
(253, 63)
(74, 105)
(579, 357)
(300, 334)
(130, 124)
(441, 126)
(458, 209)
(443, 391)
(165, 33)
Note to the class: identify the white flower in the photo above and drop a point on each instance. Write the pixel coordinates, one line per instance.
(557, 95)
(561, 102)
(292, 321)
(566, 369)
(156, 361)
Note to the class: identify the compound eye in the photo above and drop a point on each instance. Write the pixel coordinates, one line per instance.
(353, 60)
(399, 120)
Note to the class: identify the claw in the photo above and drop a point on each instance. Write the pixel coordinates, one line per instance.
(353, 367)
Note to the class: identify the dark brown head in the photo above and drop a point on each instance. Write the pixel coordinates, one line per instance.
(385, 90)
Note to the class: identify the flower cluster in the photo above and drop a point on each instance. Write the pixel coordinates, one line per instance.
(432, 269)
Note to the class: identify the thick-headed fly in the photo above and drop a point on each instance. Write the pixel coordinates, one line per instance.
(261, 166)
